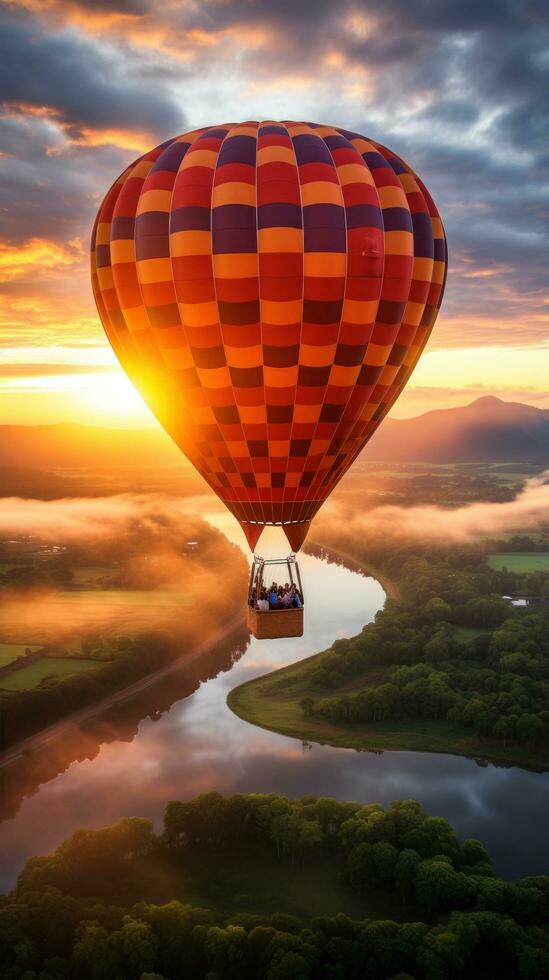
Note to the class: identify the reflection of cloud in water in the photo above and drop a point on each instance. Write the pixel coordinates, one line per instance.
(199, 745)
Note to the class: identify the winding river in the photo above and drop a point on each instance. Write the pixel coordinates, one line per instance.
(198, 745)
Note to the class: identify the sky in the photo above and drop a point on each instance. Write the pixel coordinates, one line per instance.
(459, 88)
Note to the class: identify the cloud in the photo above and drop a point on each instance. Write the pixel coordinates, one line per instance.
(78, 82)
(83, 519)
(29, 370)
(458, 89)
(37, 256)
(431, 525)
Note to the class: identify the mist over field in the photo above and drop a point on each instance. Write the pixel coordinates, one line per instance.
(79, 519)
(156, 566)
(528, 511)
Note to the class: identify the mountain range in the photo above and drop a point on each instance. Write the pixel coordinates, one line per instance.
(487, 430)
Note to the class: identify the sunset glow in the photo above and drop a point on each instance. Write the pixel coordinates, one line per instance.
(148, 72)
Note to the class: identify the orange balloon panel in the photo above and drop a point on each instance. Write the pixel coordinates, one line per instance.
(269, 288)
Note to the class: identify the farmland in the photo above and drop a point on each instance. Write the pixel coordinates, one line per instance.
(57, 668)
(79, 621)
(9, 652)
(521, 562)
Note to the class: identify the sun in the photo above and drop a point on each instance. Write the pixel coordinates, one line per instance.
(112, 398)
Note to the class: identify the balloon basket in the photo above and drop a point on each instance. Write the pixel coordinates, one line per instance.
(274, 624)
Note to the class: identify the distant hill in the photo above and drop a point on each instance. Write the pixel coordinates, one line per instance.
(487, 430)
(69, 445)
(69, 460)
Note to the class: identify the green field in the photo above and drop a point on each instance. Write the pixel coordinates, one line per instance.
(12, 651)
(520, 561)
(28, 677)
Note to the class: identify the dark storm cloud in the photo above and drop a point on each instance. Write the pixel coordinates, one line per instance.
(86, 85)
(458, 88)
(48, 195)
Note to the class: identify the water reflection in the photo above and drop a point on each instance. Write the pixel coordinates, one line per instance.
(118, 722)
(198, 745)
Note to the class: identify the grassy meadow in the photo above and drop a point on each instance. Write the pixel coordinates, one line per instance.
(521, 562)
(32, 675)
(9, 652)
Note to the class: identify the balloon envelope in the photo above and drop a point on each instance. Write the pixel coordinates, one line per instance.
(269, 288)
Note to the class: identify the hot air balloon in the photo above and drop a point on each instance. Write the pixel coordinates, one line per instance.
(269, 288)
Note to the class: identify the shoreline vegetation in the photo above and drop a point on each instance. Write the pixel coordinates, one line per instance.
(430, 674)
(262, 887)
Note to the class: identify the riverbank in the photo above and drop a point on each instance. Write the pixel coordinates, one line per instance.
(325, 698)
(274, 701)
(344, 556)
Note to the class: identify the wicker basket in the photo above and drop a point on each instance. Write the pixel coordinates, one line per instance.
(275, 624)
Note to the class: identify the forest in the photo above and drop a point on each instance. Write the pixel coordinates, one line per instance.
(449, 663)
(91, 910)
(452, 648)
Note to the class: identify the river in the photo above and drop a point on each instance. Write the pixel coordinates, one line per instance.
(198, 745)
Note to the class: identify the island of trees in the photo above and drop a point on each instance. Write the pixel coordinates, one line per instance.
(450, 663)
(267, 888)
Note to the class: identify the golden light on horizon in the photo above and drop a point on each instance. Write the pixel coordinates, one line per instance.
(44, 385)
(498, 366)
(101, 397)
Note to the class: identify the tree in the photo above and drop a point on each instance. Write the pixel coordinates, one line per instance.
(502, 729)
(473, 854)
(438, 886)
(405, 871)
(384, 859)
(289, 965)
(293, 835)
(225, 951)
(530, 727)
(138, 948)
(533, 963)
(437, 610)
(307, 705)
(438, 649)
(360, 867)
(94, 954)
